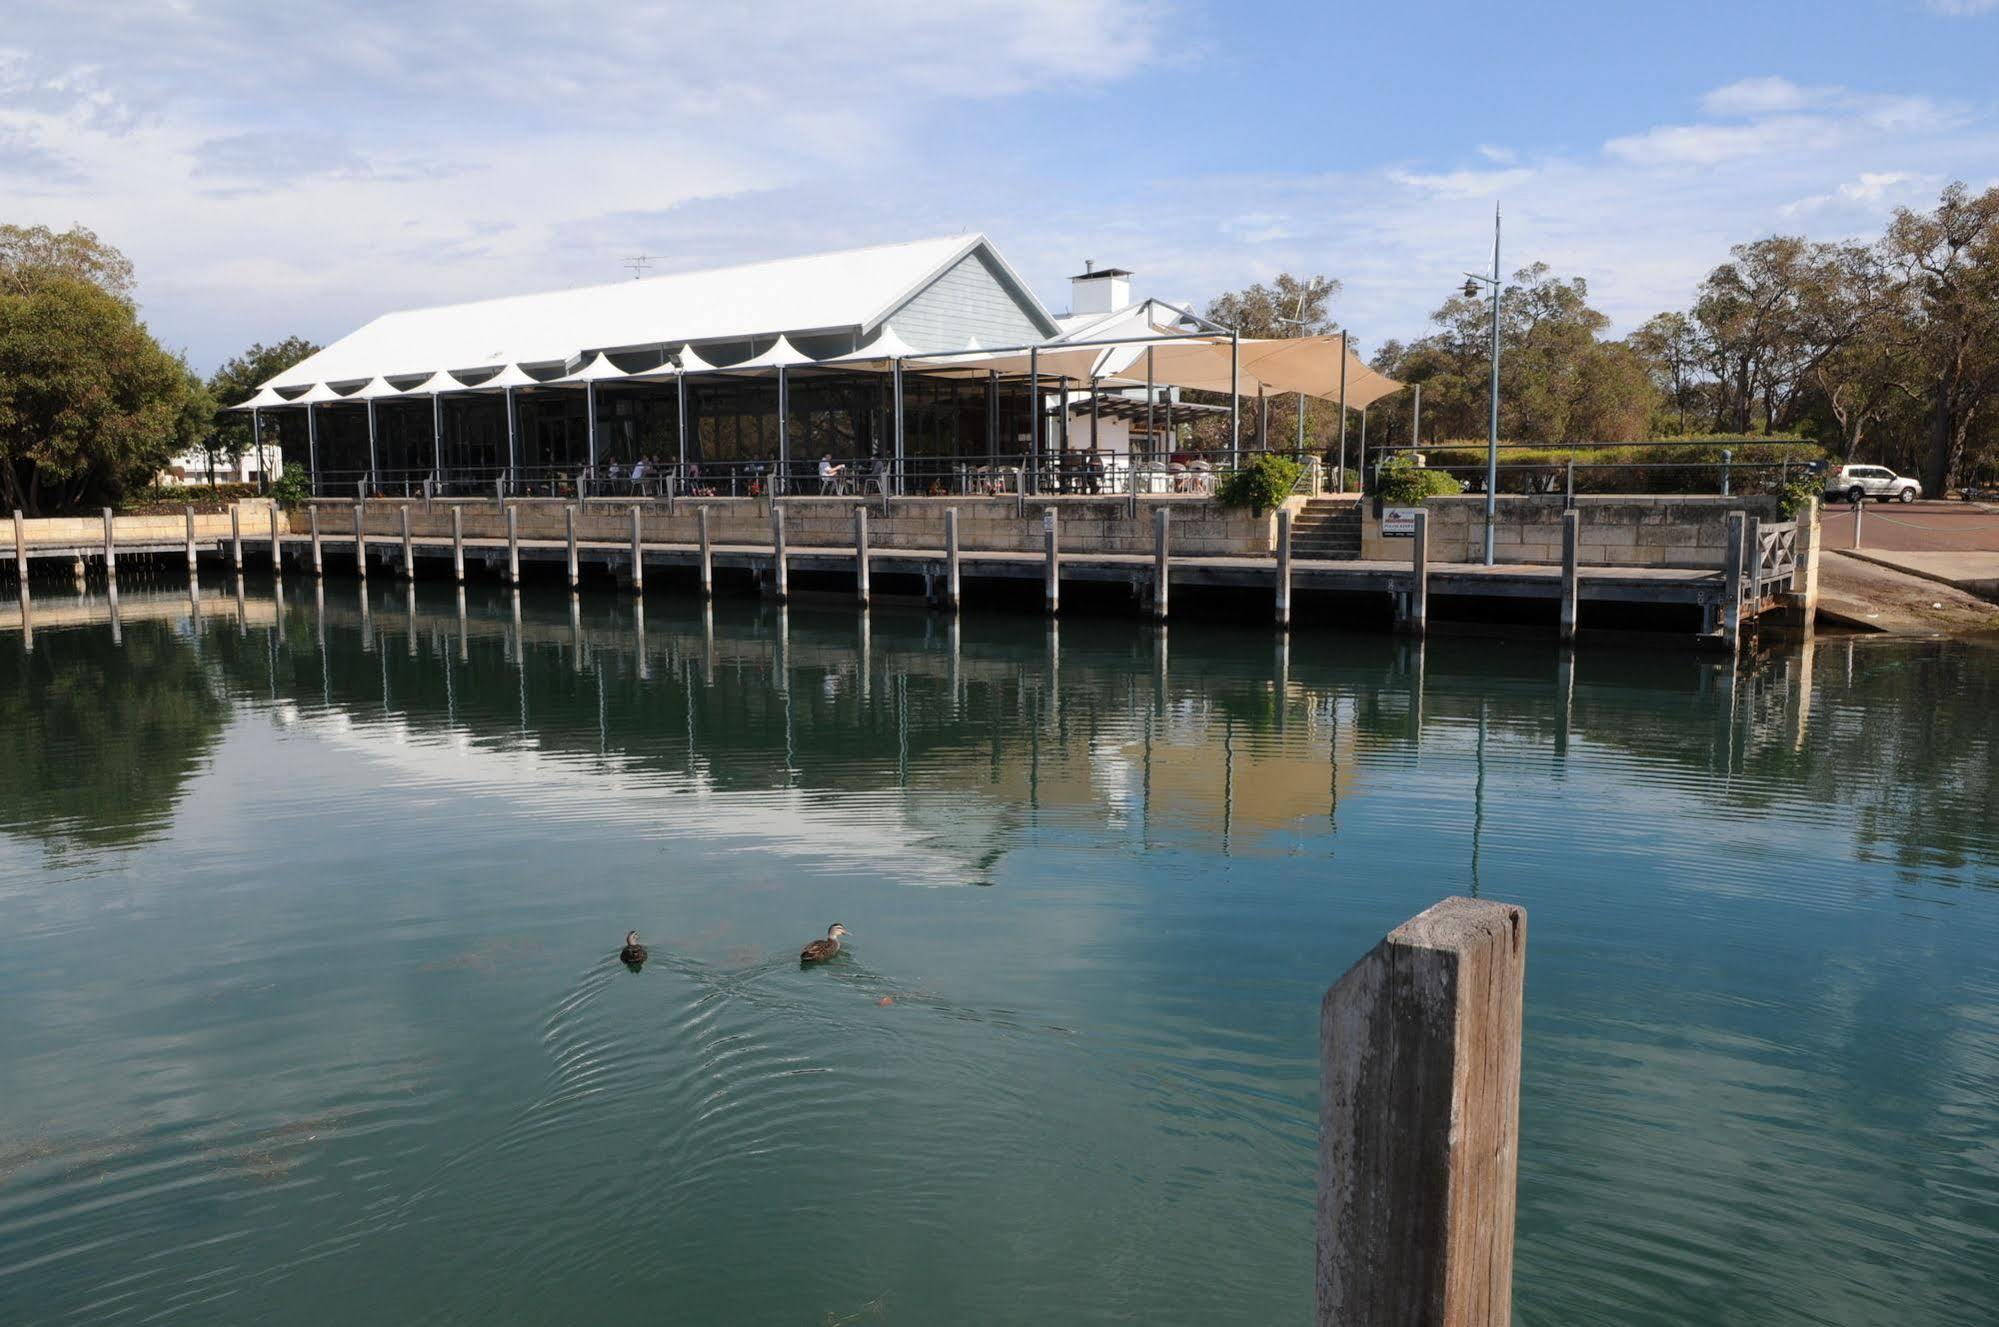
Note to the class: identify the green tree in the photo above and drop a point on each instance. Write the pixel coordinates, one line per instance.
(33, 255)
(238, 380)
(1286, 307)
(1949, 260)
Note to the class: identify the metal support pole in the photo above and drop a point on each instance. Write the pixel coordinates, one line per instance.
(1151, 429)
(1052, 549)
(1262, 419)
(638, 556)
(1301, 423)
(861, 555)
(569, 530)
(1492, 423)
(1340, 480)
(1571, 571)
(680, 425)
(513, 546)
(1283, 566)
(1235, 397)
(409, 549)
(1727, 458)
(781, 568)
(312, 445)
(257, 446)
(707, 553)
(1361, 469)
(110, 547)
(458, 544)
(1161, 560)
(1033, 417)
(1419, 574)
(312, 519)
(1569, 486)
(895, 385)
(437, 436)
(590, 430)
(373, 467)
(513, 445)
(1416, 418)
(951, 559)
(236, 538)
(361, 539)
(782, 479)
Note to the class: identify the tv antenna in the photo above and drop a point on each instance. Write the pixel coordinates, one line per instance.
(639, 263)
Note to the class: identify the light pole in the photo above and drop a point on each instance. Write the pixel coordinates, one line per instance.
(1297, 319)
(1473, 281)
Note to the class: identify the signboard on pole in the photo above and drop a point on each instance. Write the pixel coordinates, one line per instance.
(1399, 522)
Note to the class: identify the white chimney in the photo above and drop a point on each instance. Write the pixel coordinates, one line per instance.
(1099, 291)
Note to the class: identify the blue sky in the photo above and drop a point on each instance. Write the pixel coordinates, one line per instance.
(300, 168)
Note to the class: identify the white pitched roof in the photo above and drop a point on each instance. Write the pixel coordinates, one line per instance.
(598, 369)
(780, 355)
(819, 292)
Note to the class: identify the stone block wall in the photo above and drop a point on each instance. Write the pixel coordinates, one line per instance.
(1668, 530)
(89, 530)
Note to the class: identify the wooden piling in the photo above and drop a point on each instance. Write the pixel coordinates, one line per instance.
(110, 547)
(277, 541)
(569, 529)
(236, 538)
(513, 546)
(1419, 574)
(707, 553)
(1283, 566)
(458, 543)
(192, 570)
(1419, 1117)
(861, 554)
(1161, 560)
(312, 520)
(1051, 543)
(20, 548)
(361, 539)
(951, 559)
(409, 550)
(1571, 570)
(638, 556)
(1731, 580)
(780, 565)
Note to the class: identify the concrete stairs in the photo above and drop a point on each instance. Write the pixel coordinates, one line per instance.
(1327, 529)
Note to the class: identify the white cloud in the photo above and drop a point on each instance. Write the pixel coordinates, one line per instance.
(1761, 96)
(1868, 190)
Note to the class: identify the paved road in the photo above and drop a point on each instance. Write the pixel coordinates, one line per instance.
(1916, 527)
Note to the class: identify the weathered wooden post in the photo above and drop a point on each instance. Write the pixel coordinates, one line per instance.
(361, 539)
(312, 521)
(861, 554)
(951, 559)
(277, 541)
(1419, 1119)
(236, 538)
(1731, 580)
(569, 524)
(1051, 544)
(707, 552)
(188, 515)
(1752, 561)
(1283, 566)
(110, 547)
(457, 543)
(20, 548)
(409, 549)
(513, 546)
(781, 569)
(1571, 570)
(638, 555)
(1419, 573)
(1161, 557)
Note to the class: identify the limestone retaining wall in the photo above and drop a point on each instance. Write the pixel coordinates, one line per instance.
(1643, 531)
(89, 530)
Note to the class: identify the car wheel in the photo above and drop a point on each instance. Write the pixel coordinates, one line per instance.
(1906, 495)
(1855, 494)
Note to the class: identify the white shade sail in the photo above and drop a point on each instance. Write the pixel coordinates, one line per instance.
(510, 376)
(666, 370)
(316, 394)
(1309, 364)
(436, 385)
(691, 362)
(885, 347)
(599, 369)
(781, 355)
(377, 390)
(266, 398)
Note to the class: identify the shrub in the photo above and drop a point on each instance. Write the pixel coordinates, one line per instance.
(1677, 466)
(1262, 483)
(291, 489)
(1792, 497)
(1403, 483)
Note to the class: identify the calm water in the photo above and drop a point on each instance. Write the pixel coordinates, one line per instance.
(311, 1012)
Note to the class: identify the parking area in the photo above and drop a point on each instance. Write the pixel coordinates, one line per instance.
(1916, 527)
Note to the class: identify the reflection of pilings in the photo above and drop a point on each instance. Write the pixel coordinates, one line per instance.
(1478, 800)
(1565, 698)
(1417, 663)
(1159, 668)
(780, 665)
(117, 619)
(409, 614)
(1807, 655)
(867, 658)
(708, 642)
(1052, 644)
(639, 638)
(1283, 676)
(576, 630)
(27, 615)
(367, 621)
(952, 678)
(514, 642)
(242, 609)
(464, 630)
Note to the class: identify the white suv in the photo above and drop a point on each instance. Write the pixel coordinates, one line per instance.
(1854, 482)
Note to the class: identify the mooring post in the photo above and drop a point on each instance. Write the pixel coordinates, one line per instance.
(707, 552)
(110, 547)
(1419, 573)
(1283, 566)
(638, 555)
(569, 524)
(951, 559)
(861, 553)
(236, 537)
(513, 546)
(409, 550)
(1051, 542)
(1752, 563)
(1731, 577)
(360, 539)
(1571, 570)
(277, 541)
(188, 514)
(1161, 556)
(20, 548)
(457, 543)
(1805, 572)
(312, 521)
(1419, 1120)
(1858, 508)
(781, 570)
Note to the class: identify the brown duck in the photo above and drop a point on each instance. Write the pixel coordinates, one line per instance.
(633, 953)
(821, 950)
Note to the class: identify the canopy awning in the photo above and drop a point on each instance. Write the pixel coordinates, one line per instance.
(880, 352)
(1308, 364)
(377, 390)
(1079, 364)
(599, 369)
(317, 394)
(263, 399)
(510, 376)
(782, 355)
(436, 385)
(690, 361)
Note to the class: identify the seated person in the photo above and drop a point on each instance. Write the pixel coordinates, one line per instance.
(830, 474)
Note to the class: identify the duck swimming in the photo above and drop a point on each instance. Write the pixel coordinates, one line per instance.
(821, 950)
(634, 953)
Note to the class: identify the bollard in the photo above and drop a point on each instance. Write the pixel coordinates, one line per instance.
(188, 512)
(707, 554)
(861, 554)
(1161, 560)
(236, 538)
(1858, 508)
(1051, 542)
(569, 521)
(1419, 1123)
(360, 540)
(312, 519)
(458, 544)
(110, 547)
(1419, 574)
(277, 542)
(409, 551)
(1571, 571)
(951, 559)
(638, 556)
(1283, 566)
(20, 548)
(781, 569)
(513, 546)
